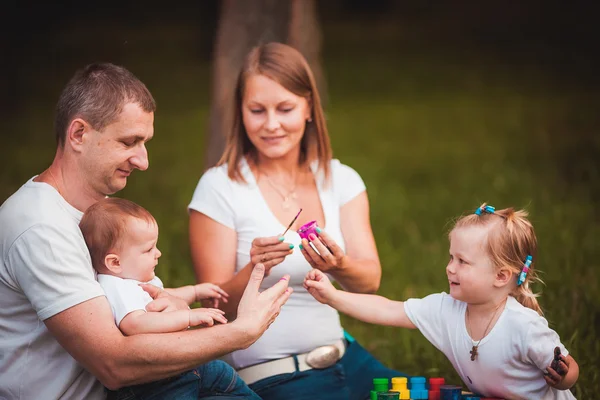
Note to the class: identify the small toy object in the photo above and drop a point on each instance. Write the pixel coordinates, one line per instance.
(450, 392)
(434, 388)
(400, 385)
(308, 228)
(379, 385)
(418, 391)
(388, 396)
(556, 361)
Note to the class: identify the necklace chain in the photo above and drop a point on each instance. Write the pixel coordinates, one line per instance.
(475, 347)
(286, 197)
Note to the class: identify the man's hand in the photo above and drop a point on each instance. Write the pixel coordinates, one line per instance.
(257, 310)
(163, 301)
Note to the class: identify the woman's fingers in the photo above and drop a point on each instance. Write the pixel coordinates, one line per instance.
(271, 259)
(309, 254)
(324, 252)
(331, 244)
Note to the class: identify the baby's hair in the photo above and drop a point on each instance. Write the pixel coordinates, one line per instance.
(510, 240)
(104, 223)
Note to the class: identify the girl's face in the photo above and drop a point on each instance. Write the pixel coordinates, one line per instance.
(470, 271)
(274, 117)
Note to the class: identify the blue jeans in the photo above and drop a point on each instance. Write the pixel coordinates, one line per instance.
(211, 381)
(351, 378)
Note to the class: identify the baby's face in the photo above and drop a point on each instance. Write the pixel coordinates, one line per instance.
(139, 254)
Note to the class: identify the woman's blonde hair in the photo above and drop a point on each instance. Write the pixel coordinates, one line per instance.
(286, 66)
(510, 240)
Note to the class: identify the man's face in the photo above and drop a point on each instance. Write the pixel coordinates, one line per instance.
(111, 155)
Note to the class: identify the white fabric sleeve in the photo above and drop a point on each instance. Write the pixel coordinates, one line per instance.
(124, 296)
(540, 343)
(347, 182)
(53, 269)
(214, 197)
(428, 316)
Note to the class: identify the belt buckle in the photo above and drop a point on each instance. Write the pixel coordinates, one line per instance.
(323, 357)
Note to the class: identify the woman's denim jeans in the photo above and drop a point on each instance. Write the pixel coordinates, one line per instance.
(351, 378)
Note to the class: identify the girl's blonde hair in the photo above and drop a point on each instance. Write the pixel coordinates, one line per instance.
(288, 67)
(510, 240)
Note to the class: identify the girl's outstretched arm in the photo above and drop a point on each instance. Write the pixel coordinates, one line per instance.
(365, 307)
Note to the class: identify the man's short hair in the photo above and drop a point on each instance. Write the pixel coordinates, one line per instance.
(97, 94)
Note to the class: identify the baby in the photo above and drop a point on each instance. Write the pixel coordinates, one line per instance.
(490, 325)
(122, 237)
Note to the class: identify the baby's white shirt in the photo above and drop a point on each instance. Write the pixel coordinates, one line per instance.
(126, 295)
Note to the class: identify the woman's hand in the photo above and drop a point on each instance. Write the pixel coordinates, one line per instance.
(330, 256)
(269, 251)
(319, 286)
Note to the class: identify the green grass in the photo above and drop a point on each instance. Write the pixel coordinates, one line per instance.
(434, 133)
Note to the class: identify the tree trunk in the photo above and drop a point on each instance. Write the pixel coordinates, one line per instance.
(243, 25)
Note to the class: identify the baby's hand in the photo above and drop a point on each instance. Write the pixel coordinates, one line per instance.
(319, 286)
(206, 316)
(210, 291)
(557, 370)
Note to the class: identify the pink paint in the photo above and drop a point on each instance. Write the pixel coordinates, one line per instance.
(308, 229)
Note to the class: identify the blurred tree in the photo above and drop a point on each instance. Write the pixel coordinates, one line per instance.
(244, 24)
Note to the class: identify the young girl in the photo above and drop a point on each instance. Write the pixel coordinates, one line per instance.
(490, 325)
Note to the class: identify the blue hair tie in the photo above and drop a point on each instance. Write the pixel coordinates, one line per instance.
(523, 273)
(487, 209)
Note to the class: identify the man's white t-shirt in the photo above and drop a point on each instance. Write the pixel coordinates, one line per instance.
(126, 295)
(303, 323)
(511, 358)
(45, 268)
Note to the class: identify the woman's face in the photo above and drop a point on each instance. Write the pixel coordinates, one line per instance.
(274, 117)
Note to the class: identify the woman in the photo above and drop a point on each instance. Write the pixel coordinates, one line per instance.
(278, 160)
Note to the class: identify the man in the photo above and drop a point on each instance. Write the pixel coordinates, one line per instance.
(56, 327)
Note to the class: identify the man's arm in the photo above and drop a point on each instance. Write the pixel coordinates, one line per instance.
(88, 332)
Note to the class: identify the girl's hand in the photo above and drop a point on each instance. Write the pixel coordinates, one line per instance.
(330, 256)
(269, 251)
(557, 371)
(205, 291)
(319, 286)
(206, 317)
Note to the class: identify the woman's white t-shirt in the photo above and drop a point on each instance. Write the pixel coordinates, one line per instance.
(511, 357)
(303, 323)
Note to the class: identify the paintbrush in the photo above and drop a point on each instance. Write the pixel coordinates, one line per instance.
(291, 223)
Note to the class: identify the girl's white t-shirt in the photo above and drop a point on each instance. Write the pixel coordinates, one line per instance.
(512, 357)
(303, 323)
